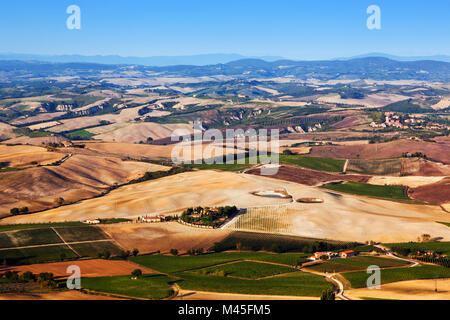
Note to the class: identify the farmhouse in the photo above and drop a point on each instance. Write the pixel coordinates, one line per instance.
(329, 255)
(347, 254)
(151, 219)
(91, 221)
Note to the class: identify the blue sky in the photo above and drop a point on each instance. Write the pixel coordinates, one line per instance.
(301, 29)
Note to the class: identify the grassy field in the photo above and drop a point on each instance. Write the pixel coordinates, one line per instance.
(28, 237)
(413, 247)
(83, 233)
(356, 263)
(232, 167)
(358, 279)
(248, 270)
(320, 164)
(79, 134)
(367, 248)
(147, 287)
(36, 255)
(172, 264)
(95, 248)
(292, 284)
(445, 224)
(364, 189)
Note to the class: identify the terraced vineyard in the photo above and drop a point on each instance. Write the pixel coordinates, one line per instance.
(48, 243)
(264, 219)
(375, 167)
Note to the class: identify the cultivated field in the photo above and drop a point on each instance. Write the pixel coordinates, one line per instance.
(409, 181)
(25, 156)
(365, 189)
(309, 177)
(340, 217)
(375, 167)
(136, 132)
(79, 177)
(61, 295)
(29, 246)
(247, 270)
(358, 279)
(436, 193)
(371, 101)
(149, 286)
(292, 284)
(406, 290)
(355, 263)
(209, 273)
(148, 238)
(263, 219)
(166, 196)
(435, 151)
(89, 268)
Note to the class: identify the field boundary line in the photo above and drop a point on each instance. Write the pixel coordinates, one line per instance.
(112, 239)
(54, 245)
(68, 245)
(344, 170)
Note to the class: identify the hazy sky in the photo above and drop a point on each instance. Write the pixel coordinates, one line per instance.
(302, 29)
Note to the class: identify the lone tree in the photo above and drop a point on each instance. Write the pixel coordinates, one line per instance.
(174, 252)
(135, 252)
(14, 211)
(137, 273)
(59, 201)
(328, 295)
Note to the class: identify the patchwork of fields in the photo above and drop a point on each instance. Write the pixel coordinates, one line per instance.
(256, 273)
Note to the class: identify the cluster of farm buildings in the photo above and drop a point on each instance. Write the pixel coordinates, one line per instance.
(394, 120)
(332, 255)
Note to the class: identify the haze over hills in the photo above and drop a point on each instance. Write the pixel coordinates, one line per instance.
(194, 60)
(377, 68)
(440, 57)
(159, 61)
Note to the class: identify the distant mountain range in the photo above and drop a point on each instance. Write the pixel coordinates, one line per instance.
(444, 58)
(376, 68)
(192, 60)
(157, 61)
